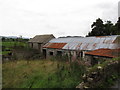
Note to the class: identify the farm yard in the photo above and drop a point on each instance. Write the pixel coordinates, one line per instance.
(59, 74)
(60, 44)
(31, 64)
(14, 49)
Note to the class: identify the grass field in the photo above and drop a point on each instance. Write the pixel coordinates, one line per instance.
(12, 44)
(41, 74)
(7, 46)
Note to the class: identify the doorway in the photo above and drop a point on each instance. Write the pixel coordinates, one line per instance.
(44, 53)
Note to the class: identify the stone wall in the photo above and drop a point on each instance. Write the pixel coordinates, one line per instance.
(98, 59)
(96, 77)
(36, 46)
(70, 53)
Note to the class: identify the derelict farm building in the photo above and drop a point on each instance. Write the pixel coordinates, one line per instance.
(38, 41)
(100, 55)
(78, 46)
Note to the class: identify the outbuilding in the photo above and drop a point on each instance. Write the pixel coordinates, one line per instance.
(77, 46)
(100, 55)
(38, 41)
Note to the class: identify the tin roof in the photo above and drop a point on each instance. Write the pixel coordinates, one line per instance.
(88, 43)
(105, 52)
(54, 45)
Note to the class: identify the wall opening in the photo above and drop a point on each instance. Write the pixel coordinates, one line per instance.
(81, 54)
(59, 53)
(51, 53)
(44, 53)
(31, 45)
(94, 61)
(78, 54)
(39, 46)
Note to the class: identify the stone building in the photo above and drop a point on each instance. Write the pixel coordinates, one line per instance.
(39, 40)
(77, 46)
(100, 55)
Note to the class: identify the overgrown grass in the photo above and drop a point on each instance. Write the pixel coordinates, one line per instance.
(41, 74)
(5, 52)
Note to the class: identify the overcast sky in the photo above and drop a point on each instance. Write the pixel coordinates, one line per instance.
(59, 17)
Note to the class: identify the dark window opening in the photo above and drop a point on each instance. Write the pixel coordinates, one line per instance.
(51, 53)
(59, 53)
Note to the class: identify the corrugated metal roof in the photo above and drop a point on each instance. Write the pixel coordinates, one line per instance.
(54, 45)
(105, 52)
(88, 43)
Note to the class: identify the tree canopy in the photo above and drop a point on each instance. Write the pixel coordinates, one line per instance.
(99, 28)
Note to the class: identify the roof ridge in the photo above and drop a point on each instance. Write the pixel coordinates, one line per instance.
(44, 35)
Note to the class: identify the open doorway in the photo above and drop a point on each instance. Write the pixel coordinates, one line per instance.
(44, 53)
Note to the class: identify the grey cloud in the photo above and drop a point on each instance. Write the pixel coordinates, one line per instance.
(109, 10)
(106, 5)
(64, 18)
(50, 26)
(60, 33)
(111, 13)
(31, 12)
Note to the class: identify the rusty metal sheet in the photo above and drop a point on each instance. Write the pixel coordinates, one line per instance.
(90, 46)
(87, 43)
(55, 45)
(105, 52)
(46, 45)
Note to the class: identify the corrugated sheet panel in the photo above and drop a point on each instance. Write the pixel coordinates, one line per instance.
(61, 40)
(87, 43)
(54, 45)
(105, 52)
(46, 45)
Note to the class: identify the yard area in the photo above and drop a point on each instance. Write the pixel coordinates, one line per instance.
(41, 74)
(57, 74)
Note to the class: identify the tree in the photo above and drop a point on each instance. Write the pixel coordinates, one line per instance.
(115, 30)
(97, 28)
(101, 29)
(3, 38)
(108, 28)
(118, 26)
